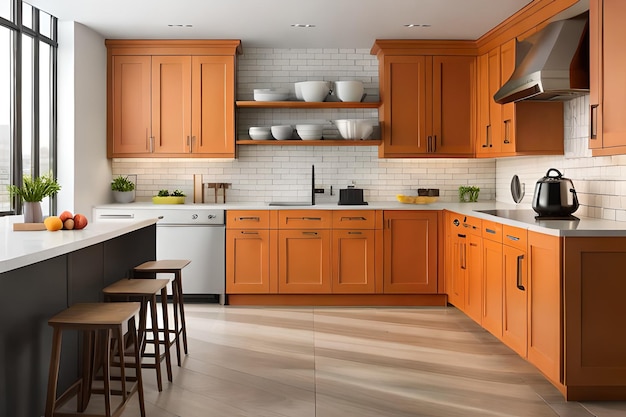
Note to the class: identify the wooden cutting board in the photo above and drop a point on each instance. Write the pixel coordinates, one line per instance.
(28, 226)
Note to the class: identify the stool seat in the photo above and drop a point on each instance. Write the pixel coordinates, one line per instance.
(101, 323)
(175, 267)
(162, 266)
(145, 291)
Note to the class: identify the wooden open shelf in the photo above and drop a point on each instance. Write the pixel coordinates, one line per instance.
(322, 142)
(307, 105)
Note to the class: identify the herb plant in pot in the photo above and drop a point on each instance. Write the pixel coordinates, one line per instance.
(123, 189)
(32, 192)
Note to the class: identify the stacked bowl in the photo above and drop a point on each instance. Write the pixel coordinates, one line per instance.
(282, 132)
(351, 91)
(310, 131)
(260, 133)
(354, 128)
(312, 91)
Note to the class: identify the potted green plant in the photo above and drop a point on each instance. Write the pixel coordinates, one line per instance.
(32, 192)
(468, 194)
(123, 189)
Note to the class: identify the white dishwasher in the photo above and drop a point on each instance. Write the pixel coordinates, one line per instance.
(191, 232)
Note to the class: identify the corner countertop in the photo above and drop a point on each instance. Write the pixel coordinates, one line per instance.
(584, 227)
(22, 248)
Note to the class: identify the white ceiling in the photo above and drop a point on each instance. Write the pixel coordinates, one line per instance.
(267, 23)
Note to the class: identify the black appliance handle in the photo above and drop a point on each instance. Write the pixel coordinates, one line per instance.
(559, 175)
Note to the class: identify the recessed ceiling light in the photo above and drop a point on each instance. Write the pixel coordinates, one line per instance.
(180, 25)
(416, 25)
(302, 25)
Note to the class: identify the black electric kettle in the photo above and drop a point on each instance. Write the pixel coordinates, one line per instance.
(555, 195)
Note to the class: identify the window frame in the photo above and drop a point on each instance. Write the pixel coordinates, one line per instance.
(16, 118)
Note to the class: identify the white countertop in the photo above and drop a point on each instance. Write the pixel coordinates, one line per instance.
(21, 248)
(587, 227)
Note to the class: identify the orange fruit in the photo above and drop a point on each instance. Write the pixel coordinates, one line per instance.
(53, 223)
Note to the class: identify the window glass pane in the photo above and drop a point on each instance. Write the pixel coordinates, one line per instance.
(5, 117)
(27, 15)
(5, 9)
(45, 113)
(27, 102)
(45, 24)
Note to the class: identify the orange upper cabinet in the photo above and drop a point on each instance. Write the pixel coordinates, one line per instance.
(427, 103)
(171, 98)
(607, 68)
(520, 128)
(129, 105)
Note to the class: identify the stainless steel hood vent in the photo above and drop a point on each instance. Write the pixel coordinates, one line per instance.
(551, 65)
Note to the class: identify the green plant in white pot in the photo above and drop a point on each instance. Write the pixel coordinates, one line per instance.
(32, 192)
(123, 189)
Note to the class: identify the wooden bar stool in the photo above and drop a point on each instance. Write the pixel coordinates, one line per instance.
(101, 324)
(145, 292)
(175, 267)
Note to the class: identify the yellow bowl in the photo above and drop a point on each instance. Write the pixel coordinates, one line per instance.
(408, 199)
(168, 200)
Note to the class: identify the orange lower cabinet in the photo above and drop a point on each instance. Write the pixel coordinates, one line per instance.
(353, 265)
(410, 252)
(304, 261)
(514, 318)
(474, 284)
(247, 261)
(492, 287)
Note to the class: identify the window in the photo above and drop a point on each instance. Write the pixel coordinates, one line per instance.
(28, 50)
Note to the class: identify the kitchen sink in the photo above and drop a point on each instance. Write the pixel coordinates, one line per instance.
(289, 203)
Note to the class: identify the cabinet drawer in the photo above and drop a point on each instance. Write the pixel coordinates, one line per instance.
(492, 230)
(472, 226)
(248, 219)
(354, 219)
(304, 219)
(515, 237)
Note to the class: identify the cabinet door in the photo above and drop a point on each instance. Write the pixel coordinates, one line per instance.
(596, 19)
(213, 113)
(545, 305)
(454, 107)
(410, 252)
(507, 66)
(455, 279)
(405, 122)
(613, 69)
(495, 109)
(474, 283)
(129, 106)
(484, 143)
(247, 261)
(492, 287)
(353, 265)
(304, 261)
(514, 319)
(171, 104)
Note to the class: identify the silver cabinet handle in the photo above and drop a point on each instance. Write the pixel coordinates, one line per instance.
(310, 233)
(355, 233)
(353, 218)
(490, 231)
(513, 238)
(593, 121)
(255, 219)
(507, 131)
(243, 232)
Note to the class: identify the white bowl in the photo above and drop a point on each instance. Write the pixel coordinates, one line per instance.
(260, 133)
(354, 128)
(282, 132)
(310, 131)
(349, 90)
(313, 91)
(270, 94)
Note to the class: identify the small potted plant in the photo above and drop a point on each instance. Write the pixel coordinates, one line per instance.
(468, 194)
(165, 197)
(33, 191)
(123, 189)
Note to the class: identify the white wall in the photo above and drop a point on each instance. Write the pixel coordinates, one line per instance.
(83, 169)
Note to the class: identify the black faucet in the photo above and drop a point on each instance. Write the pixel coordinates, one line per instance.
(312, 185)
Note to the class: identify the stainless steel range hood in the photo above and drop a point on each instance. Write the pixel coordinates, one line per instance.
(551, 65)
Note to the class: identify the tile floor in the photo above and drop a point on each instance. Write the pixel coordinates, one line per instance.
(344, 362)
